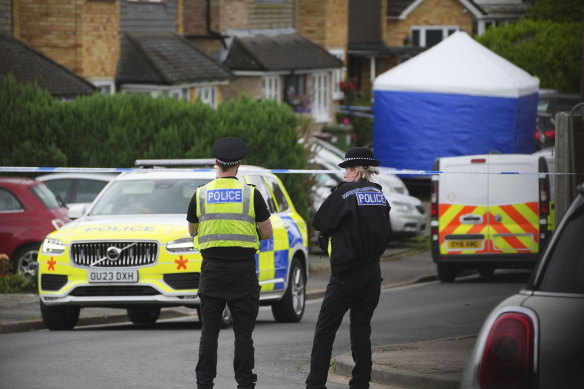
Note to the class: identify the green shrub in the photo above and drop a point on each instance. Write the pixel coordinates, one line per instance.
(15, 283)
(114, 131)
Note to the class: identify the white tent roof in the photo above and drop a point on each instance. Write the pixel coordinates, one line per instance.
(459, 65)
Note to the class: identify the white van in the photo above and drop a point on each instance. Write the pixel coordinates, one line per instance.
(489, 211)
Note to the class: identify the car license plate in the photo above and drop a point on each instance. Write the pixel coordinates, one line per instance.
(96, 276)
(464, 244)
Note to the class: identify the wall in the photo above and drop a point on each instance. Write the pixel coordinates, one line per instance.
(249, 85)
(80, 35)
(51, 27)
(271, 14)
(324, 22)
(429, 13)
(100, 40)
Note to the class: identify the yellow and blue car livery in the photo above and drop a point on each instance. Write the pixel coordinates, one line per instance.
(144, 258)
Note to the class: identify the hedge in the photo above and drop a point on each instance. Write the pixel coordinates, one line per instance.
(115, 130)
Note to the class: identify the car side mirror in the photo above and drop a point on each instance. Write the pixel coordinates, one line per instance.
(76, 211)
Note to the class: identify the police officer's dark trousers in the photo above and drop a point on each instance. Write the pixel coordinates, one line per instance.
(356, 290)
(238, 290)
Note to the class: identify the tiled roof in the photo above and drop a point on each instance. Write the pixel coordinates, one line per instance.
(166, 59)
(31, 66)
(285, 52)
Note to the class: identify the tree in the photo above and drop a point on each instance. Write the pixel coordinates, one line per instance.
(551, 51)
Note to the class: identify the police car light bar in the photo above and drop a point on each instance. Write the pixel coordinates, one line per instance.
(150, 163)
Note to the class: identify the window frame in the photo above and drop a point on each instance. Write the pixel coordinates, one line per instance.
(272, 87)
(207, 94)
(321, 101)
(422, 31)
(105, 87)
(338, 74)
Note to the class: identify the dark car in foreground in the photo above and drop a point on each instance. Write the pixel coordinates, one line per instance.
(29, 211)
(535, 339)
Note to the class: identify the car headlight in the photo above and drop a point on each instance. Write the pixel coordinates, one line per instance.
(53, 247)
(402, 207)
(182, 245)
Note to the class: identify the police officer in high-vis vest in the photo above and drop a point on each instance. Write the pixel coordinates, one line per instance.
(355, 220)
(224, 214)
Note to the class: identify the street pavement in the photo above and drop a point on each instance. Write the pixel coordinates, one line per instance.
(429, 364)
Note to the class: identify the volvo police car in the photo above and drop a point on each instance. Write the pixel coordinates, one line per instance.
(131, 249)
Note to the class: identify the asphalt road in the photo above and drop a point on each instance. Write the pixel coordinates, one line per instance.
(165, 355)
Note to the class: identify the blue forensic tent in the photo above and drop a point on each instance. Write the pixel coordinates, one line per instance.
(457, 98)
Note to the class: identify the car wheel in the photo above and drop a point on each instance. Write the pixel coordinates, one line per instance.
(144, 315)
(59, 318)
(24, 261)
(291, 308)
(446, 272)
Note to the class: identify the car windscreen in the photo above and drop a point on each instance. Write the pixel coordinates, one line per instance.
(45, 195)
(564, 271)
(147, 197)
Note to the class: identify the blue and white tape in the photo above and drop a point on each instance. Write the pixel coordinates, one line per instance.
(41, 169)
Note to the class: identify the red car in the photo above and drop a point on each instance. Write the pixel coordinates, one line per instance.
(29, 211)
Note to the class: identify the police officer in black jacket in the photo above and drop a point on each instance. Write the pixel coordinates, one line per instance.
(224, 213)
(356, 218)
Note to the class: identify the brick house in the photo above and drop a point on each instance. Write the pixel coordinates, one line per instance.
(290, 51)
(119, 45)
(384, 33)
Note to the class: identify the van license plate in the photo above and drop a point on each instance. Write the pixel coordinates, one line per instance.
(464, 244)
(96, 276)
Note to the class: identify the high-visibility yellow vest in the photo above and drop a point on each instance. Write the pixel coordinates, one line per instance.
(225, 209)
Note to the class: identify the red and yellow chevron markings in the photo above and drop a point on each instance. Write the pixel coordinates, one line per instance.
(511, 228)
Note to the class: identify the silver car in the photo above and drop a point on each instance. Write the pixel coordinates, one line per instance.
(535, 339)
(408, 214)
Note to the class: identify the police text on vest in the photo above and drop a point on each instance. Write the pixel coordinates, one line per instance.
(224, 196)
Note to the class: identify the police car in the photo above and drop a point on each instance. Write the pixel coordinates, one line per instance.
(131, 249)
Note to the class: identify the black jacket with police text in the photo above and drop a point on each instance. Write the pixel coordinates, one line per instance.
(356, 217)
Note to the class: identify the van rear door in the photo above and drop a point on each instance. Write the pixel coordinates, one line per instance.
(463, 205)
(513, 204)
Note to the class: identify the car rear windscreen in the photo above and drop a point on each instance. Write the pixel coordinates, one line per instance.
(564, 271)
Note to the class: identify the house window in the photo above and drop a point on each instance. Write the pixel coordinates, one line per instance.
(271, 88)
(320, 96)
(105, 87)
(178, 94)
(207, 95)
(428, 36)
(295, 96)
(338, 74)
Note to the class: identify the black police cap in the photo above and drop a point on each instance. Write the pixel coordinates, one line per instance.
(359, 156)
(229, 150)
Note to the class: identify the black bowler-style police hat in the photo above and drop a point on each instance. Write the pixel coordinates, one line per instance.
(229, 150)
(359, 156)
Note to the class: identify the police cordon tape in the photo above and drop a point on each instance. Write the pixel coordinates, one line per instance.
(40, 169)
